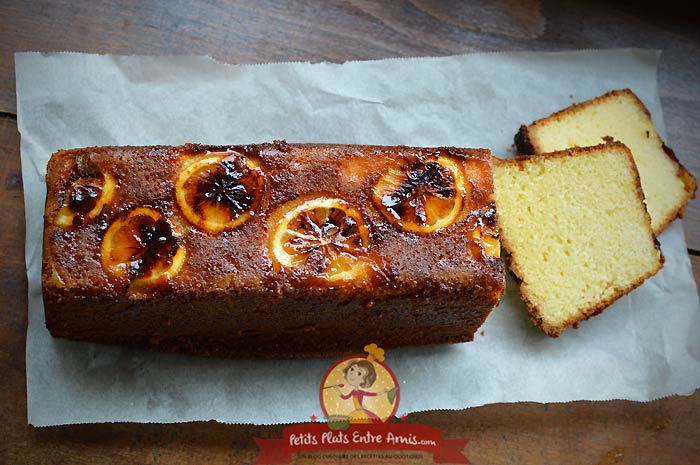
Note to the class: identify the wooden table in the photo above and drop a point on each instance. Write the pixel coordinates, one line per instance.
(664, 431)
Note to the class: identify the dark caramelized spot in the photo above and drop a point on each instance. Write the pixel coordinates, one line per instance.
(233, 185)
(420, 182)
(84, 195)
(489, 215)
(282, 145)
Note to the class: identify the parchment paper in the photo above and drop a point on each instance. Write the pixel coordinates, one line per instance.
(643, 347)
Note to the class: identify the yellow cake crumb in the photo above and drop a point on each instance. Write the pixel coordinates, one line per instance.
(622, 116)
(577, 230)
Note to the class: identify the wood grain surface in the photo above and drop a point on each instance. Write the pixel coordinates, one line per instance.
(663, 431)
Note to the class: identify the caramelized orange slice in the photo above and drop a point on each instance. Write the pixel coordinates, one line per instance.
(85, 199)
(325, 234)
(142, 247)
(422, 196)
(219, 191)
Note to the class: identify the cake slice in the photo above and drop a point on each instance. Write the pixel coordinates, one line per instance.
(578, 233)
(620, 115)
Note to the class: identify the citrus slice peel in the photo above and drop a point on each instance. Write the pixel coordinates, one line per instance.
(142, 247)
(219, 191)
(326, 231)
(422, 196)
(85, 199)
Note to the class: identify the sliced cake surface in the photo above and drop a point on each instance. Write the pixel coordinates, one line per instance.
(620, 115)
(578, 234)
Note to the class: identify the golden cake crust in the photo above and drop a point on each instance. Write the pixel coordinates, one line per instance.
(225, 291)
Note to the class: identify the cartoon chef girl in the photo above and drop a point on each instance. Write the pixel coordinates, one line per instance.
(361, 375)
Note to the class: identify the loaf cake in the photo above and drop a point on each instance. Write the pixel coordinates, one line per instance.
(273, 250)
(576, 230)
(622, 116)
